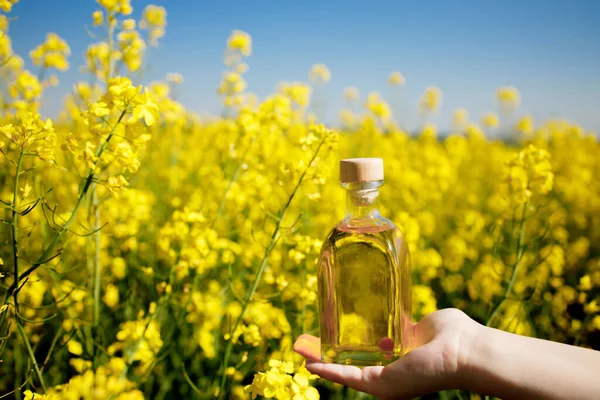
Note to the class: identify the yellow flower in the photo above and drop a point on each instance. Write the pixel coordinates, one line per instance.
(29, 395)
(75, 347)
(31, 133)
(175, 78)
(120, 92)
(319, 73)
(525, 125)
(351, 94)
(3, 23)
(117, 183)
(298, 92)
(118, 267)
(396, 79)
(99, 109)
(301, 385)
(241, 42)
(129, 24)
(146, 109)
(429, 131)
(232, 83)
(26, 86)
(508, 97)
(424, 301)
(474, 131)
(116, 6)
(154, 19)
(53, 53)
(585, 283)
(378, 106)
(347, 118)
(277, 382)
(25, 190)
(140, 339)
(88, 155)
(529, 173)
(132, 48)
(489, 120)
(111, 295)
(460, 118)
(238, 393)
(592, 307)
(98, 18)
(430, 100)
(6, 5)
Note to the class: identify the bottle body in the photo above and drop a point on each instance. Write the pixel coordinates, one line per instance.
(364, 292)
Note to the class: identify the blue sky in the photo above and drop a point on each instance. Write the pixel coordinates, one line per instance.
(549, 50)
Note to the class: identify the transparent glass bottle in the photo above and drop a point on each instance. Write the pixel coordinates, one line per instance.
(364, 277)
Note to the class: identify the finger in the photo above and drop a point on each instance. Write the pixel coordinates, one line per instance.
(309, 347)
(367, 379)
(310, 338)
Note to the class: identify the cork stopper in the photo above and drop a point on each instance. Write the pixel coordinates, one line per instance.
(355, 170)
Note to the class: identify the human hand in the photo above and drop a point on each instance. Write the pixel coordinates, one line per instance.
(443, 340)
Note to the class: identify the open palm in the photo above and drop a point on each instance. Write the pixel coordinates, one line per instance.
(442, 341)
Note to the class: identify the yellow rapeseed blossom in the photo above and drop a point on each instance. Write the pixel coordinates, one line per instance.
(396, 79)
(29, 395)
(116, 6)
(26, 87)
(174, 78)
(319, 73)
(154, 19)
(132, 48)
(529, 173)
(298, 92)
(379, 107)
(6, 5)
(278, 382)
(139, 340)
(430, 100)
(98, 18)
(429, 131)
(53, 53)
(489, 120)
(241, 42)
(351, 94)
(525, 125)
(111, 296)
(32, 134)
(508, 97)
(460, 118)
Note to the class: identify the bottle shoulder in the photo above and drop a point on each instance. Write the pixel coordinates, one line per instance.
(370, 224)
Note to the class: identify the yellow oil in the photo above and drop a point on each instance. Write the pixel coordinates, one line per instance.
(364, 293)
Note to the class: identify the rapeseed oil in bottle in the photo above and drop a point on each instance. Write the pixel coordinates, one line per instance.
(364, 277)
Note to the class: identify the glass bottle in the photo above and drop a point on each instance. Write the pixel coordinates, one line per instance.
(364, 277)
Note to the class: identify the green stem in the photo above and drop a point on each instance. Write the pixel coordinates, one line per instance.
(31, 355)
(15, 228)
(261, 269)
(96, 311)
(515, 267)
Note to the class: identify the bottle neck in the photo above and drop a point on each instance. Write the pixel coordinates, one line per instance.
(362, 199)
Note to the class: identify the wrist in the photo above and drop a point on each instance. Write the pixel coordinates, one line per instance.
(475, 359)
